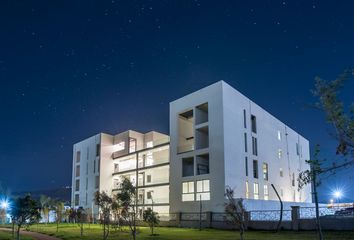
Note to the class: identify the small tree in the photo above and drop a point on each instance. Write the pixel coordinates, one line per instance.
(25, 211)
(235, 210)
(151, 218)
(104, 202)
(126, 198)
(45, 203)
(80, 214)
(59, 212)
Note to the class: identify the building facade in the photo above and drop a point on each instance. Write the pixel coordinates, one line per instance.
(218, 138)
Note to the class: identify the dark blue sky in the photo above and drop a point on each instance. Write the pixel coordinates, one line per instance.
(71, 69)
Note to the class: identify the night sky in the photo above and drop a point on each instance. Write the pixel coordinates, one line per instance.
(71, 69)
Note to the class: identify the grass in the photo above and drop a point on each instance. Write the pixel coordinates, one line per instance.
(94, 232)
(8, 236)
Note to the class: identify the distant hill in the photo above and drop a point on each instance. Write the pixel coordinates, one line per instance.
(63, 194)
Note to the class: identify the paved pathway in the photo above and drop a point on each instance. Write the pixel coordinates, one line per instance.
(34, 235)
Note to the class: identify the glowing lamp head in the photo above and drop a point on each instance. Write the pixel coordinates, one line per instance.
(337, 194)
(4, 204)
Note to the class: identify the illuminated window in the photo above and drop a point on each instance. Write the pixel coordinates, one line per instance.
(247, 190)
(279, 135)
(203, 190)
(132, 145)
(266, 193)
(187, 191)
(120, 146)
(256, 190)
(265, 171)
(281, 172)
(280, 153)
(149, 144)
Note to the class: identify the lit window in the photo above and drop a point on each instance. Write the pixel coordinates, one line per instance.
(265, 171)
(149, 144)
(266, 194)
(203, 190)
(247, 190)
(280, 153)
(187, 191)
(281, 172)
(120, 146)
(256, 190)
(132, 145)
(149, 159)
(279, 135)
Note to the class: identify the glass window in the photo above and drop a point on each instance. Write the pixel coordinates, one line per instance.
(279, 135)
(265, 171)
(77, 185)
(245, 139)
(256, 190)
(187, 167)
(255, 168)
(97, 181)
(247, 190)
(77, 200)
(266, 193)
(187, 191)
(119, 146)
(98, 149)
(78, 156)
(149, 144)
(77, 171)
(203, 190)
(254, 146)
(253, 124)
(246, 166)
(297, 149)
(244, 118)
(132, 145)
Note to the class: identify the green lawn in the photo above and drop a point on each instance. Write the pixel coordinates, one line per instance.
(8, 236)
(94, 232)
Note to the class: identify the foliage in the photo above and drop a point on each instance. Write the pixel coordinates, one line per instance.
(151, 218)
(105, 203)
(126, 199)
(59, 212)
(25, 211)
(80, 219)
(46, 205)
(235, 210)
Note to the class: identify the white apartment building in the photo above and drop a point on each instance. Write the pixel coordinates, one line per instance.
(218, 138)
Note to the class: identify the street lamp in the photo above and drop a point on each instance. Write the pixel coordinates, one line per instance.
(4, 204)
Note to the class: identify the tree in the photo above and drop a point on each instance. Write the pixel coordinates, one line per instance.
(104, 203)
(80, 219)
(59, 212)
(126, 198)
(25, 211)
(45, 203)
(151, 218)
(235, 210)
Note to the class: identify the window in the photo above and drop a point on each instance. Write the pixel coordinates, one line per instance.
(244, 118)
(86, 183)
(187, 191)
(149, 194)
(149, 144)
(253, 124)
(293, 180)
(86, 168)
(297, 149)
(255, 168)
(97, 181)
(77, 185)
(202, 162)
(78, 156)
(77, 199)
(148, 178)
(86, 199)
(203, 190)
(185, 131)
(119, 146)
(187, 167)
(266, 193)
(281, 172)
(77, 171)
(98, 165)
(247, 190)
(98, 150)
(265, 171)
(254, 146)
(256, 190)
(246, 166)
(94, 166)
(279, 135)
(280, 153)
(245, 136)
(132, 145)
